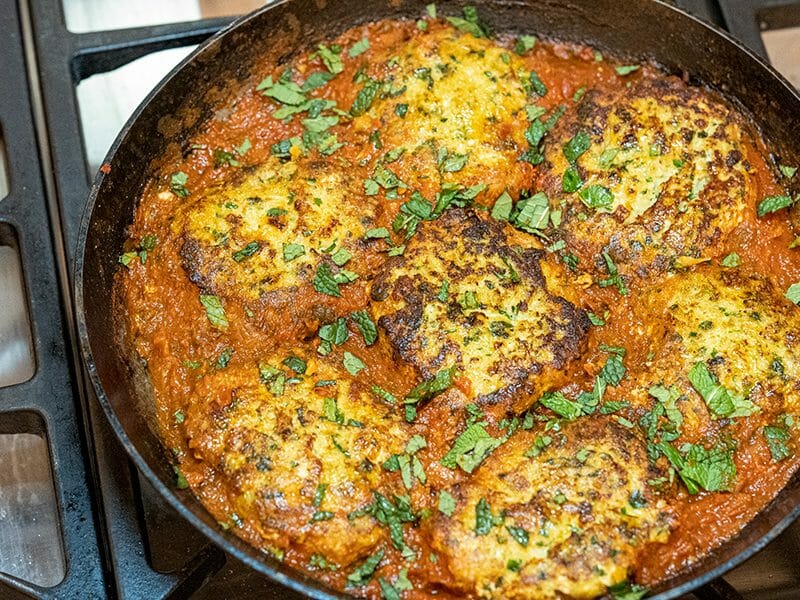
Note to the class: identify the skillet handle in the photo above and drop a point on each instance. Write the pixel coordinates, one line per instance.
(718, 589)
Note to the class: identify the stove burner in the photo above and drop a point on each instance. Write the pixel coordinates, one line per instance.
(119, 538)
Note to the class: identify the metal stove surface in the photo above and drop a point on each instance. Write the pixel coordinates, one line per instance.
(118, 538)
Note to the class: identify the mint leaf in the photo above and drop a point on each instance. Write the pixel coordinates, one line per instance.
(772, 204)
(366, 326)
(561, 405)
(324, 281)
(447, 504)
(470, 448)
(214, 310)
(353, 364)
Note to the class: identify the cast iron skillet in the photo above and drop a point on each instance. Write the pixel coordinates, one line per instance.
(214, 72)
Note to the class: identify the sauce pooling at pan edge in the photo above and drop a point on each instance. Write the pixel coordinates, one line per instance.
(432, 312)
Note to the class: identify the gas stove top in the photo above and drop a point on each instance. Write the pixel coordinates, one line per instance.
(76, 519)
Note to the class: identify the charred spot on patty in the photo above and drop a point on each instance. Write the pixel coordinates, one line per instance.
(462, 295)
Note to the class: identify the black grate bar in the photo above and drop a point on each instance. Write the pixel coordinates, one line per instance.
(53, 391)
(102, 51)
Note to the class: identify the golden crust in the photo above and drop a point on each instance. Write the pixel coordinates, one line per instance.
(462, 295)
(463, 97)
(672, 158)
(236, 238)
(277, 450)
(583, 502)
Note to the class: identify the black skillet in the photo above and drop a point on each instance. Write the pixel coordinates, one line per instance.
(209, 77)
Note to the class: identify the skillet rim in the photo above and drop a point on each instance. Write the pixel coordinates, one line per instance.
(245, 552)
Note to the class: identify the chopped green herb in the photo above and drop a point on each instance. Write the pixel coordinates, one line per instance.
(470, 22)
(401, 110)
(296, 364)
(613, 371)
(366, 326)
(383, 394)
(571, 181)
(731, 261)
(365, 97)
(520, 534)
(292, 251)
(627, 69)
(712, 470)
(576, 146)
(793, 293)
(532, 214)
(484, 519)
(177, 184)
(340, 257)
(444, 291)
(353, 364)
(359, 47)
(429, 388)
(470, 448)
(214, 310)
(316, 80)
(364, 572)
(561, 405)
(248, 250)
(378, 233)
(502, 207)
(720, 401)
(285, 92)
(787, 172)
(452, 162)
(627, 591)
(180, 479)
(772, 204)
(224, 358)
(596, 196)
(539, 444)
(325, 282)
(330, 58)
(524, 43)
(606, 158)
(595, 320)
(614, 278)
(778, 442)
(447, 504)
(537, 85)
